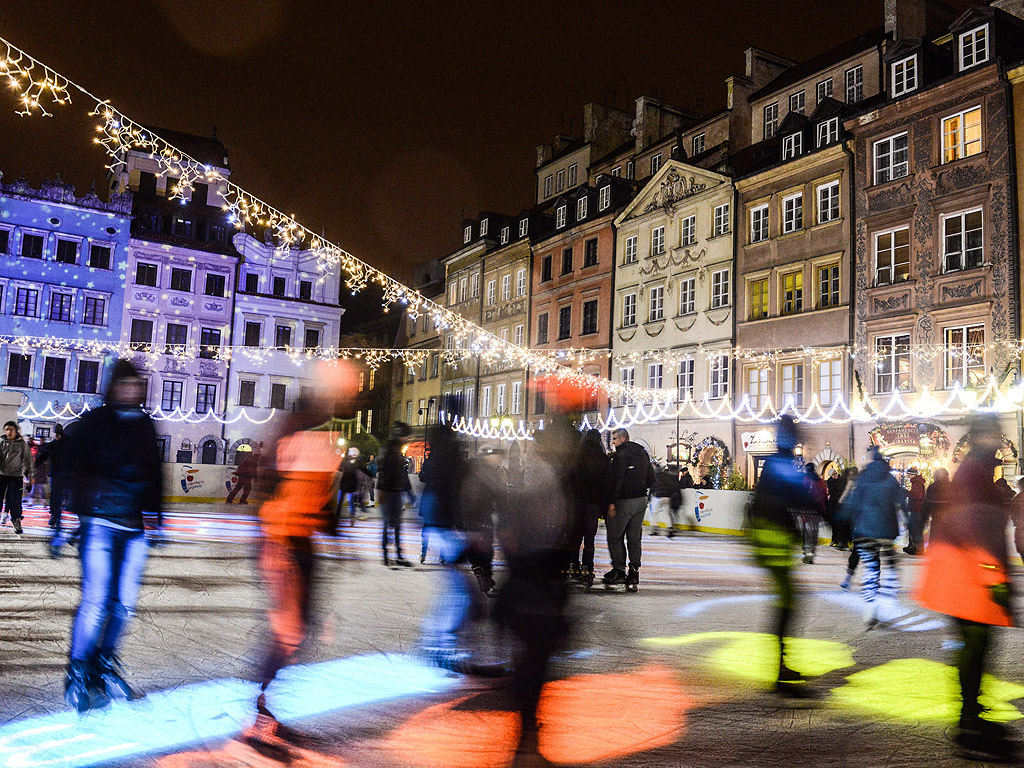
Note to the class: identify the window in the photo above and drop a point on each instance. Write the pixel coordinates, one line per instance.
(435, 366)
(796, 102)
(215, 285)
(974, 47)
(757, 387)
(590, 253)
(965, 356)
(277, 395)
(823, 89)
(792, 145)
(206, 397)
(828, 286)
(617, 171)
(793, 384)
(5, 240)
(53, 373)
(464, 289)
(572, 174)
(759, 224)
(26, 301)
(792, 293)
(604, 198)
(524, 226)
(581, 208)
(698, 143)
(655, 164)
(684, 379)
(566, 261)
(630, 166)
(170, 398)
(19, 370)
(771, 119)
(517, 397)
(141, 331)
(548, 185)
(492, 288)
(145, 274)
(67, 252)
(485, 402)
(499, 400)
(830, 381)
(656, 308)
(628, 310)
(542, 328)
(252, 282)
(854, 84)
(484, 226)
(183, 226)
(467, 234)
(560, 216)
(452, 292)
(655, 375)
(517, 335)
(758, 299)
(95, 310)
(313, 339)
(961, 135)
(305, 290)
(904, 75)
(504, 235)
(88, 376)
(721, 225)
(688, 230)
(792, 213)
(177, 337)
(99, 256)
(545, 269)
(720, 289)
(506, 287)
(60, 307)
(521, 282)
(627, 377)
(560, 180)
(474, 285)
(963, 245)
(828, 202)
(590, 316)
(181, 280)
(209, 343)
(629, 257)
(828, 131)
(564, 322)
(468, 401)
(247, 393)
(687, 296)
(283, 336)
(719, 370)
(892, 256)
(891, 159)
(32, 246)
(892, 363)
(657, 241)
(280, 286)
(253, 331)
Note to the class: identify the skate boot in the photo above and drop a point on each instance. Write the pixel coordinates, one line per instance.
(984, 740)
(82, 690)
(846, 583)
(586, 578)
(109, 669)
(574, 573)
(632, 580)
(614, 577)
(792, 684)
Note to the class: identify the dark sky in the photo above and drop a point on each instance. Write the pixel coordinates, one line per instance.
(385, 123)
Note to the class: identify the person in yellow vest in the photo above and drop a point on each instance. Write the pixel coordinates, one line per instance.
(966, 577)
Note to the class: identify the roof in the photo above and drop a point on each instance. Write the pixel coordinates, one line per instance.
(571, 147)
(207, 150)
(193, 243)
(821, 61)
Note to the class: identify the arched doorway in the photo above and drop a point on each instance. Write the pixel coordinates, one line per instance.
(208, 452)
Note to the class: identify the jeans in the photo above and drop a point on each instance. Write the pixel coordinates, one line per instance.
(625, 530)
(583, 533)
(287, 570)
(454, 599)
(10, 492)
(245, 486)
(915, 529)
(58, 500)
(391, 513)
(112, 565)
(874, 582)
(809, 525)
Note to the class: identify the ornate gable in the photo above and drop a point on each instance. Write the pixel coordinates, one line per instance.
(674, 183)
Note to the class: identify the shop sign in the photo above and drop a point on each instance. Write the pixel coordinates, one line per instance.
(762, 441)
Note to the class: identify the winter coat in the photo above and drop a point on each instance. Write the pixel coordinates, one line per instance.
(53, 452)
(632, 473)
(936, 498)
(442, 472)
(392, 469)
(836, 486)
(780, 495)
(15, 457)
(818, 491)
(115, 468)
(304, 465)
(872, 507)
(966, 574)
(349, 482)
(590, 473)
(686, 481)
(666, 484)
(915, 496)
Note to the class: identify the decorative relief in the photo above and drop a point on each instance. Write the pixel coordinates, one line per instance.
(674, 187)
(174, 365)
(656, 266)
(147, 296)
(179, 301)
(891, 303)
(653, 333)
(627, 335)
(141, 363)
(693, 321)
(213, 306)
(209, 368)
(961, 290)
(725, 317)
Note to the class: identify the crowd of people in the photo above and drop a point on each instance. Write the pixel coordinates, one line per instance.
(543, 514)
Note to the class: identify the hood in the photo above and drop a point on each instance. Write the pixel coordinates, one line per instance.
(875, 471)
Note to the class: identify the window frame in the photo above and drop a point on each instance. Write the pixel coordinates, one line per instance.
(591, 320)
(604, 197)
(831, 132)
(656, 304)
(796, 392)
(857, 84)
(206, 397)
(757, 387)
(720, 293)
(168, 397)
(908, 74)
(698, 143)
(655, 375)
(64, 301)
(961, 48)
(759, 223)
(718, 377)
(892, 268)
(86, 315)
(798, 102)
(791, 292)
(687, 296)
(177, 272)
(792, 216)
(629, 251)
(833, 282)
(688, 230)
(684, 379)
(560, 216)
(629, 310)
(760, 287)
(658, 240)
(962, 374)
(824, 89)
(770, 123)
(962, 216)
(890, 171)
(722, 220)
(960, 150)
(827, 373)
(895, 357)
(792, 145)
(833, 202)
(581, 208)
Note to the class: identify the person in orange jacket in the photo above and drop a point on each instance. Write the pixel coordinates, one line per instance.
(966, 577)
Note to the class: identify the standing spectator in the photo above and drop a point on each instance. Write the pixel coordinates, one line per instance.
(664, 499)
(116, 475)
(590, 477)
(810, 518)
(706, 484)
(632, 476)
(915, 513)
(53, 452)
(873, 507)
(38, 488)
(246, 473)
(15, 471)
(351, 487)
(966, 576)
(835, 484)
(393, 481)
(371, 472)
(685, 478)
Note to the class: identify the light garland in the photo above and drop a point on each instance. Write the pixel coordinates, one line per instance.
(68, 412)
(505, 430)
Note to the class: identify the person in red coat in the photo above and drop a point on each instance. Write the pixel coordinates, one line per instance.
(966, 577)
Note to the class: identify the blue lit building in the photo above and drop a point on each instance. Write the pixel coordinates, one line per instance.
(62, 277)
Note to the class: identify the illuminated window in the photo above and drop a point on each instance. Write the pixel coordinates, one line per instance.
(830, 381)
(974, 47)
(758, 299)
(965, 356)
(892, 363)
(792, 293)
(793, 384)
(961, 135)
(892, 256)
(757, 387)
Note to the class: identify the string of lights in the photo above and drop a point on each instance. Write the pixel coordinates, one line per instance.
(70, 412)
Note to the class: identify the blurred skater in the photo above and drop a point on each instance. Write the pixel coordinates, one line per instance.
(15, 471)
(247, 471)
(392, 483)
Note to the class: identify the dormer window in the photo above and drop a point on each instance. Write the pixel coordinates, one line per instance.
(698, 143)
(504, 235)
(974, 47)
(467, 234)
(828, 131)
(524, 226)
(604, 198)
(904, 75)
(560, 216)
(483, 227)
(792, 145)
(581, 209)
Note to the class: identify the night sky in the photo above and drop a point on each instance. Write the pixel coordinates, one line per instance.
(385, 124)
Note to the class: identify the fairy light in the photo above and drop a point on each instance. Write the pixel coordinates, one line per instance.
(69, 412)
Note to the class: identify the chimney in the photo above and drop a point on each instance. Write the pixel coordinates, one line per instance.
(762, 67)
(917, 19)
(544, 153)
(1012, 7)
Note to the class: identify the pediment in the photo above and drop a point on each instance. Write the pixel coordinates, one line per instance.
(671, 185)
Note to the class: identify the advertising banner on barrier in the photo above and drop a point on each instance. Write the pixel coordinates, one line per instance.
(198, 482)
